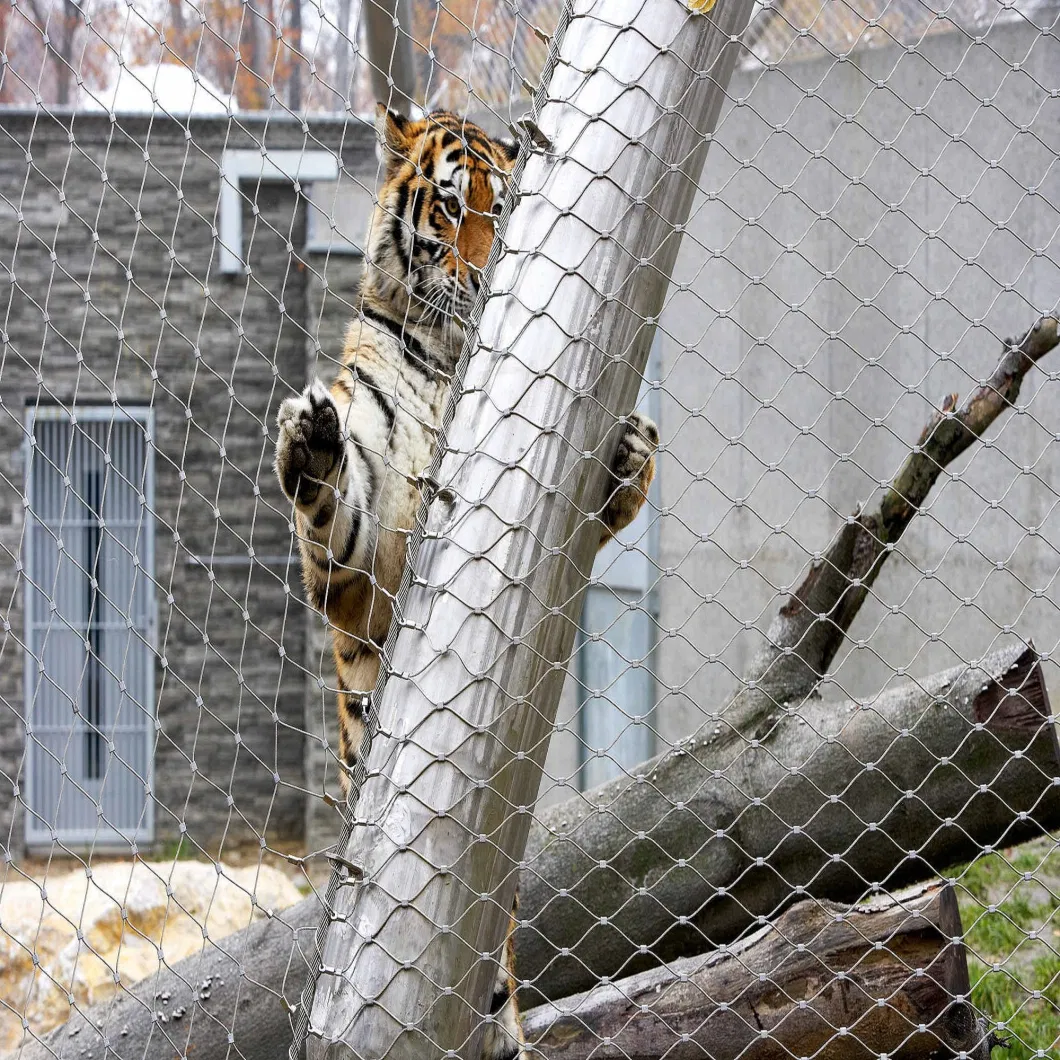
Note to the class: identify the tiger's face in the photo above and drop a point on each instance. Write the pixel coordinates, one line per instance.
(433, 226)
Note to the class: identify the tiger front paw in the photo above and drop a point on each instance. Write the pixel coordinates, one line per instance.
(311, 445)
(631, 473)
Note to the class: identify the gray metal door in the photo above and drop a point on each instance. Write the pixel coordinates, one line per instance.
(90, 624)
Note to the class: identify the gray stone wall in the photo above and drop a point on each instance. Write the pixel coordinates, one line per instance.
(114, 293)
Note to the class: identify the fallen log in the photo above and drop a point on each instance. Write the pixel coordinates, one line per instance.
(233, 999)
(831, 800)
(825, 981)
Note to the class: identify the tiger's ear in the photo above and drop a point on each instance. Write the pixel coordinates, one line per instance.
(392, 130)
(510, 149)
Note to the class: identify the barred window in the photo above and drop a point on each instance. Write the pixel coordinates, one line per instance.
(90, 620)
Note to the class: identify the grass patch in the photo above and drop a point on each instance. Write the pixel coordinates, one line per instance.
(1010, 909)
(181, 849)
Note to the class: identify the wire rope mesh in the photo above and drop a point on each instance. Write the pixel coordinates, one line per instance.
(800, 797)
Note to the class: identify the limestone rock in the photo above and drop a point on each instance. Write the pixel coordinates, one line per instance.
(86, 934)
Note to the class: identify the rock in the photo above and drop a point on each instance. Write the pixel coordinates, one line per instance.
(88, 934)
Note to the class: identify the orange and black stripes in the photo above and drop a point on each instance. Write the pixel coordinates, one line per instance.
(349, 457)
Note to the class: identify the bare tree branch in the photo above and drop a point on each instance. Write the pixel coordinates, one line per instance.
(811, 627)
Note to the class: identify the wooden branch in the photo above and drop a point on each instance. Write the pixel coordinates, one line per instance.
(827, 799)
(825, 981)
(811, 626)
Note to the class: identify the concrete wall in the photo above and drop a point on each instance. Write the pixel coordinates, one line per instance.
(867, 233)
(214, 355)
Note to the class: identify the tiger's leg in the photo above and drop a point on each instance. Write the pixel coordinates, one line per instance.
(631, 474)
(329, 463)
(327, 471)
(357, 666)
(353, 710)
(504, 1035)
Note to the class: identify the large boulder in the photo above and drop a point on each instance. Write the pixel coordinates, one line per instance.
(86, 934)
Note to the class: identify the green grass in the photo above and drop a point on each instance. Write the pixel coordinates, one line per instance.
(181, 849)
(1010, 909)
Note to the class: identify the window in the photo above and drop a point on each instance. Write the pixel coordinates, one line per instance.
(614, 662)
(290, 167)
(337, 216)
(90, 626)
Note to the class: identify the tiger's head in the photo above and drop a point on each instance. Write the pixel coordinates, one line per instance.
(432, 227)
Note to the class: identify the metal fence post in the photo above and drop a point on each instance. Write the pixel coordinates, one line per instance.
(488, 620)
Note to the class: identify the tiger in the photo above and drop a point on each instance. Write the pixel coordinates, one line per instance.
(349, 457)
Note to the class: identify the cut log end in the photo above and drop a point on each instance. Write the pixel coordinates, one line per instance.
(1017, 701)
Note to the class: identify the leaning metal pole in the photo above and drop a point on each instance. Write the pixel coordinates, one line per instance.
(488, 619)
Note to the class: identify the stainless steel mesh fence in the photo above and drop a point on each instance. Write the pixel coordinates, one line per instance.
(771, 766)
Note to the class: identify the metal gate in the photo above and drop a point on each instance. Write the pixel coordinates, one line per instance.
(90, 625)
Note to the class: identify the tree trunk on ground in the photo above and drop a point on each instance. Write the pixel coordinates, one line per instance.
(836, 984)
(239, 989)
(825, 982)
(828, 799)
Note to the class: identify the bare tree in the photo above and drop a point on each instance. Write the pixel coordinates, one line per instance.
(294, 80)
(59, 26)
(7, 80)
(343, 49)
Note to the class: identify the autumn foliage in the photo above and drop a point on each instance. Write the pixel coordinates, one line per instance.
(54, 49)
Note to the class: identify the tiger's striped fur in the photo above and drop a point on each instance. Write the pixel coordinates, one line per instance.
(348, 457)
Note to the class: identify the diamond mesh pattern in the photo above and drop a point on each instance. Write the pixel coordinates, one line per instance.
(801, 794)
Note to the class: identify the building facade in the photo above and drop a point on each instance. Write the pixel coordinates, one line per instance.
(164, 291)
(870, 223)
